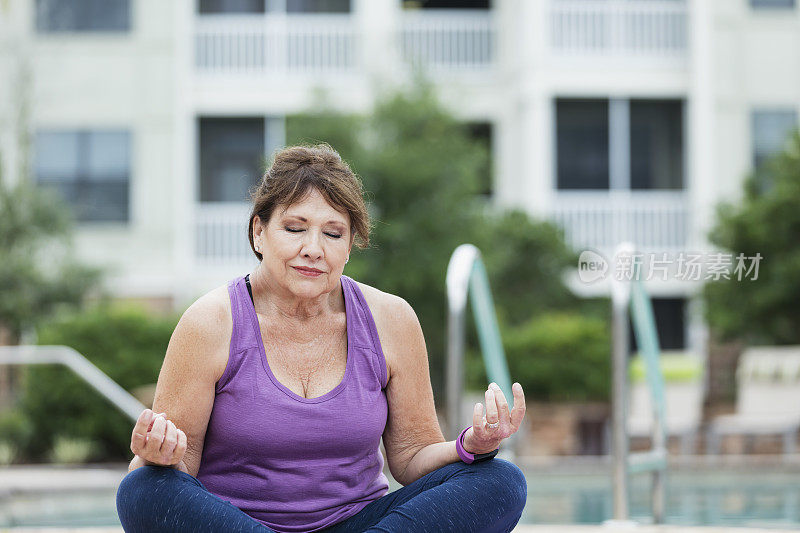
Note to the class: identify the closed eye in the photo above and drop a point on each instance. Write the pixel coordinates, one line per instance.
(295, 230)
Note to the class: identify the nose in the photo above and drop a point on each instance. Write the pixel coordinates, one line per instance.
(312, 248)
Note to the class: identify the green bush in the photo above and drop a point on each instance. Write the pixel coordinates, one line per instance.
(555, 357)
(126, 343)
(16, 431)
(67, 450)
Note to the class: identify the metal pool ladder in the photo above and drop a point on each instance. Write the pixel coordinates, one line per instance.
(69, 357)
(466, 274)
(632, 294)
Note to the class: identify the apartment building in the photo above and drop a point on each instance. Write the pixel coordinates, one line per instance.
(617, 119)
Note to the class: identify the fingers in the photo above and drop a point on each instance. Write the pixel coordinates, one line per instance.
(180, 449)
(519, 406)
(503, 413)
(477, 419)
(169, 443)
(155, 438)
(491, 406)
(139, 435)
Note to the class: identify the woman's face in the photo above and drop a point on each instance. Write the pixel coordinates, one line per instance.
(305, 245)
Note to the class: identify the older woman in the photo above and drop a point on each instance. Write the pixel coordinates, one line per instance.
(277, 388)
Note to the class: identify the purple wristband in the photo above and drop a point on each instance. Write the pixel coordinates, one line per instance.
(470, 458)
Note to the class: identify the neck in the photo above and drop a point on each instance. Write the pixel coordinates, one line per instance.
(271, 299)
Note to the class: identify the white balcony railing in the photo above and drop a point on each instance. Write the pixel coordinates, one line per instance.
(619, 28)
(448, 40)
(276, 44)
(221, 234)
(655, 221)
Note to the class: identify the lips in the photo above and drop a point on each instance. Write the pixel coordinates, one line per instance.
(306, 269)
(313, 272)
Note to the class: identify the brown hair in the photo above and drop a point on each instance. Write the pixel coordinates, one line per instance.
(298, 169)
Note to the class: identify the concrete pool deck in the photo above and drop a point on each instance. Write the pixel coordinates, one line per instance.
(519, 529)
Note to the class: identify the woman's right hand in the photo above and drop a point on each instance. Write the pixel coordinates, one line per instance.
(157, 440)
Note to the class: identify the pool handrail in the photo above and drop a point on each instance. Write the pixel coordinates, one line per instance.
(631, 295)
(466, 275)
(64, 355)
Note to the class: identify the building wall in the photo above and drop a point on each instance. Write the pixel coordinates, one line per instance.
(737, 59)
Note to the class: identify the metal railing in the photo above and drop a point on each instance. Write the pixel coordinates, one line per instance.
(619, 28)
(276, 44)
(64, 355)
(466, 275)
(221, 234)
(655, 220)
(631, 294)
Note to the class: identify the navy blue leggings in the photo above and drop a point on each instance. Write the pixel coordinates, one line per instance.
(487, 496)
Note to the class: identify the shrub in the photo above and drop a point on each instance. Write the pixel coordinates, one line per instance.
(126, 343)
(555, 357)
(15, 432)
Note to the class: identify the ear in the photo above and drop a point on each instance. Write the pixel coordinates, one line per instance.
(257, 227)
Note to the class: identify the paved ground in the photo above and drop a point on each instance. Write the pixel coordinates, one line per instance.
(520, 529)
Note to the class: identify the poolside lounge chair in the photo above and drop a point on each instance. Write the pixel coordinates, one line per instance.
(768, 397)
(683, 397)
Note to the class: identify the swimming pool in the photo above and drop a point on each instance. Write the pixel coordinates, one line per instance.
(702, 494)
(567, 492)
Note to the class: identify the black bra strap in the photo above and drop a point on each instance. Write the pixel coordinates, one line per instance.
(249, 288)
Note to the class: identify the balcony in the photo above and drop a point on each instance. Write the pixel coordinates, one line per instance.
(619, 29)
(220, 231)
(279, 44)
(655, 221)
(276, 44)
(448, 40)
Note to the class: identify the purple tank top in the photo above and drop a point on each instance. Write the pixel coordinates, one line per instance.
(293, 463)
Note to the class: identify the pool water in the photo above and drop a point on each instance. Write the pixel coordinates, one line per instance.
(764, 498)
(704, 497)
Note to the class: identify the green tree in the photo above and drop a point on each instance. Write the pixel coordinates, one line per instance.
(423, 172)
(766, 222)
(39, 273)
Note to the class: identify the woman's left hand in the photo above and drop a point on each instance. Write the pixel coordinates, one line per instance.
(481, 438)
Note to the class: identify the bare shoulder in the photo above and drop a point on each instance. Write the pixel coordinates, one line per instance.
(395, 320)
(208, 323)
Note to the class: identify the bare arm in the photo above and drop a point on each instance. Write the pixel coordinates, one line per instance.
(192, 365)
(413, 439)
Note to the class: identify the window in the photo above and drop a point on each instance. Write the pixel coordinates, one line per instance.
(481, 132)
(644, 136)
(772, 3)
(89, 169)
(231, 6)
(656, 149)
(231, 157)
(670, 320)
(318, 6)
(261, 6)
(446, 4)
(771, 129)
(83, 16)
(582, 144)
